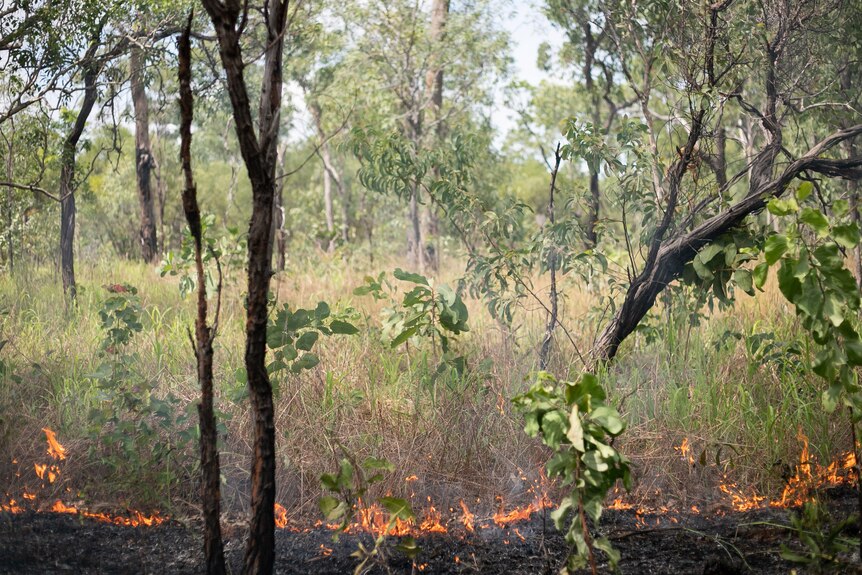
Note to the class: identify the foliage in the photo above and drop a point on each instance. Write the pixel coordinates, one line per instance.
(813, 277)
(428, 311)
(350, 488)
(227, 249)
(825, 545)
(131, 422)
(573, 420)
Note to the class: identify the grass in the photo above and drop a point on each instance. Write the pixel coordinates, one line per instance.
(739, 398)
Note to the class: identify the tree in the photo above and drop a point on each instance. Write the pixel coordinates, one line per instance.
(716, 76)
(259, 152)
(204, 334)
(144, 159)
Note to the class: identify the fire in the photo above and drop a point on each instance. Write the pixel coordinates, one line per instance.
(55, 450)
(280, 516)
(50, 473)
(431, 522)
(467, 517)
(684, 450)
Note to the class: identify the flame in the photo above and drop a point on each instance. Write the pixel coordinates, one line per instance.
(280, 516)
(51, 472)
(684, 450)
(431, 522)
(467, 517)
(324, 550)
(55, 450)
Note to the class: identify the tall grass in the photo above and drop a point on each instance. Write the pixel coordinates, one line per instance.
(740, 407)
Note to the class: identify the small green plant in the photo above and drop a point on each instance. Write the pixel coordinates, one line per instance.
(349, 486)
(428, 311)
(131, 422)
(825, 545)
(229, 249)
(573, 420)
(292, 335)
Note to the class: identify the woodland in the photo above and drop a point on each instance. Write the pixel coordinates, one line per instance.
(430, 286)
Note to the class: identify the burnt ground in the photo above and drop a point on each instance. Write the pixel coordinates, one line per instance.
(732, 542)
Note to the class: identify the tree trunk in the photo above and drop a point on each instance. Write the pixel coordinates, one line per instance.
(668, 258)
(259, 151)
(204, 334)
(67, 173)
(415, 243)
(10, 249)
(434, 86)
(280, 234)
(143, 156)
(545, 353)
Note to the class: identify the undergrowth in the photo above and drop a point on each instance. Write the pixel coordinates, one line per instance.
(735, 385)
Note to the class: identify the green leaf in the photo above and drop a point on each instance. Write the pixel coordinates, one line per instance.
(774, 248)
(398, 508)
(404, 336)
(343, 327)
(576, 430)
(609, 419)
(331, 507)
(743, 280)
(846, 236)
(307, 361)
(816, 220)
(410, 277)
(781, 207)
(321, 312)
(710, 251)
(804, 190)
(408, 547)
(307, 340)
(759, 274)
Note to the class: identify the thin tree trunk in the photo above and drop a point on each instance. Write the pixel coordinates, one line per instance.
(67, 174)
(323, 152)
(10, 249)
(259, 151)
(545, 353)
(417, 251)
(143, 156)
(280, 239)
(434, 86)
(204, 334)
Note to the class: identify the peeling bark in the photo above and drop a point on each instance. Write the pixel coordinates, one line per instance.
(259, 152)
(204, 334)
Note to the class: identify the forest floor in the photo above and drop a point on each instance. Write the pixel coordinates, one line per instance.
(719, 542)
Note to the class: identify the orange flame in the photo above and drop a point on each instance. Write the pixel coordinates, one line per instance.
(280, 516)
(55, 450)
(467, 517)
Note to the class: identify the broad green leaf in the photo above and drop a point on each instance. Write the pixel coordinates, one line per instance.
(342, 327)
(759, 274)
(781, 207)
(410, 277)
(398, 508)
(846, 236)
(404, 336)
(774, 248)
(307, 361)
(576, 430)
(609, 419)
(804, 190)
(710, 251)
(331, 507)
(816, 220)
(307, 340)
(743, 279)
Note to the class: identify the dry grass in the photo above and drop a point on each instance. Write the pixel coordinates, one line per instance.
(458, 436)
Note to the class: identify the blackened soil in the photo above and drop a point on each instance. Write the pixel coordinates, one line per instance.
(32, 543)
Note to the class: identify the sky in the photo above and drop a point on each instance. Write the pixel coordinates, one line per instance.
(528, 28)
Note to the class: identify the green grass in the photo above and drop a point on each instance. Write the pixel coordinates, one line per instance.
(459, 436)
